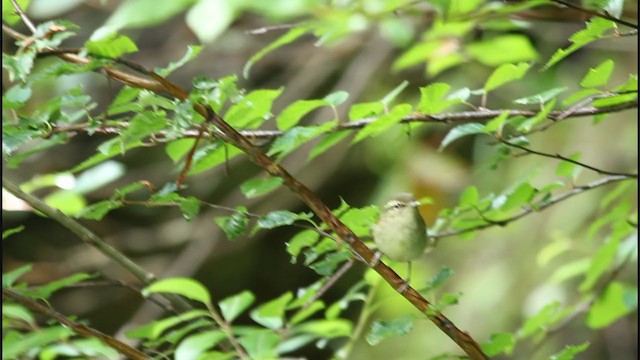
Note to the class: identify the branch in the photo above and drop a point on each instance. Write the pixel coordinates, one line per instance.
(80, 329)
(595, 13)
(540, 207)
(563, 158)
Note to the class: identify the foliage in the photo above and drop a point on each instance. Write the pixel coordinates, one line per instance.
(218, 124)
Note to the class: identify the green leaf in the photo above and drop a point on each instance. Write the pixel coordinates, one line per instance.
(336, 98)
(33, 340)
(594, 31)
(598, 76)
(234, 225)
(9, 232)
(192, 52)
(360, 220)
(292, 114)
(233, 306)
(328, 265)
(600, 262)
(324, 328)
(19, 312)
(432, 98)
(253, 109)
(570, 351)
(614, 100)
(279, 218)
(271, 314)
(381, 329)
(542, 97)
(289, 37)
(617, 301)
(383, 123)
(439, 278)
(9, 13)
(552, 250)
(520, 197)
(503, 49)
(155, 329)
(10, 277)
(16, 96)
(194, 346)
(365, 110)
(547, 316)
(496, 124)
(566, 168)
(327, 142)
(499, 343)
(211, 156)
(504, 74)
(45, 291)
(528, 124)
(140, 14)
(179, 148)
(387, 99)
(296, 137)
(190, 207)
(69, 202)
(261, 344)
(469, 196)
(111, 46)
(300, 241)
(461, 131)
(258, 187)
(186, 287)
(208, 19)
(98, 210)
(305, 313)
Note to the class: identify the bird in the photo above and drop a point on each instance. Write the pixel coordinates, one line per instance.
(400, 232)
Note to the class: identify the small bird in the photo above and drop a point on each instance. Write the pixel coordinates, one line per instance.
(400, 233)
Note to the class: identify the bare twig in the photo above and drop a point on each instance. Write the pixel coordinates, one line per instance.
(563, 158)
(594, 13)
(23, 17)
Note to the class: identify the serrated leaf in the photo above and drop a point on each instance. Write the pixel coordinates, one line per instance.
(387, 99)
(433, 100)
(233, 306)
(190, 207)
(192, 52)
(258, 187)
(496, 124)
(234, 225)
(499, 343)
(253, 109)
(327, 142)
(10, 277)
(598, 76)
(383, 123)
(289, 37)
(599, 263)
(461, 131)
(296, 137)
(292, 114)
(45, 291)
(570, 351)
(271, 314)
(186, 287)
(505, 74)
(98, 210)
(503, 49)
(542, 97)
(279, 218)
(194, 346)
(365, 110)
(111, 46)
(179, 148)
(300, 241)
(438, 279)
(381, 330)
(336, 98)
(566, 168)
(615, 302)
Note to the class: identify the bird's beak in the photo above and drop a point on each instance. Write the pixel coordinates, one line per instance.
(415, 203)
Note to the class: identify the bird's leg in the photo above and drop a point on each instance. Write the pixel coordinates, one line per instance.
(375, 260)
(405, 285)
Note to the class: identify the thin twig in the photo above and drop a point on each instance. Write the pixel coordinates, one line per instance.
(594, 13)
(25, 19)
(564, 158)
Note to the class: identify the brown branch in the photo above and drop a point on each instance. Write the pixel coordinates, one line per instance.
(539, 207)
(80, 329)
(595, 13)
(564, 158)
